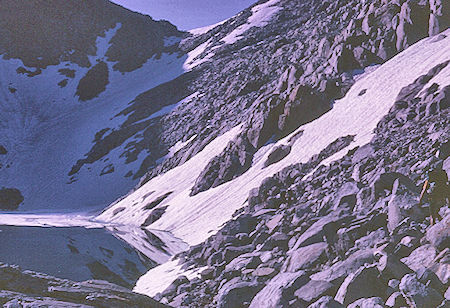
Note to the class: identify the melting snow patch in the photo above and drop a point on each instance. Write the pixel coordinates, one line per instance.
(159, 278)
(203, 30)
(261, 16)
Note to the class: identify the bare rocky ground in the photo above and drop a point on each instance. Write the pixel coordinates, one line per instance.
(30, 289)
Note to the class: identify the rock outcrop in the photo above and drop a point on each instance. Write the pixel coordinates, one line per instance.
(29, 289)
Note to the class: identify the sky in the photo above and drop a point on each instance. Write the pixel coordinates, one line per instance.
(188, 14)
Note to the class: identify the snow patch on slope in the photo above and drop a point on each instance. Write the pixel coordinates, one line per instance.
(261, 15)
(160, 278)
(203, 30)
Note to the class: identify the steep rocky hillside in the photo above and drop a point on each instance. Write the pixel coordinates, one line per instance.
(309, 123)
(281, 151)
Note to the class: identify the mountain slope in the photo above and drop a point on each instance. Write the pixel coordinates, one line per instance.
(66, 74)
(194, 219)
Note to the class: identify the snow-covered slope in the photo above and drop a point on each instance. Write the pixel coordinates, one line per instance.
(49, 119)
(194, 218)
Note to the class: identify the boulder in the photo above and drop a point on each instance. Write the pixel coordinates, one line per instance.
(314, 290)
(396, 300)
(413, 23)
(279, 291)
(48, 291)
(235, 159)
(304, 105)
(277, 239)
(315, 233)
(417, 294)
(306, 257)
(363, 283)
(390, 267)
(236, 292)
(372, 302)
(326, 302)
(441, 266)
(439, 234)
(429, 278)
(385, 181)
(266, 272)
(403, 203)
(3, 150)
(338, 271)
(277, 154)
(439, 16)
(245, 261)
(422, 257)
(346, 196)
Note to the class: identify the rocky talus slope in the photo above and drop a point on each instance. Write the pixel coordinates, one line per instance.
(352, 234)
(325, 206)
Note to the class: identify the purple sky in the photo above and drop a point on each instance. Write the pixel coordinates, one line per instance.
(188, 14)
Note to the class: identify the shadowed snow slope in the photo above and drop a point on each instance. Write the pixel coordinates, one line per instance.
(47, 128)
(194, 218)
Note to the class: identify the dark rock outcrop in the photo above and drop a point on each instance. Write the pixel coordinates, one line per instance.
(10, 198)
(32, 289)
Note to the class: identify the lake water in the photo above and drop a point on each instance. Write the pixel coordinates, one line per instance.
(78, 253)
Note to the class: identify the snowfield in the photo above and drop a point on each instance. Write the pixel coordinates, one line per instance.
(46, 129)
(261, 15)
(193, 219)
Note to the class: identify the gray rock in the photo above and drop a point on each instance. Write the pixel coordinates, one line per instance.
(304, 105)
(264, 272)
(441, 266)
(279, 291)
(412, 25)
(430, 279)
(364, 283)
(439, 234)
(346, 196)
(315, 233)
(338, 271)
(326, 302)
(373, 302)
(235, 293)
(248, 260)
(314, 290)
(439, 16)
(422, 257)
(231, 163)
(277, 155)
(277, 239)
(305, 257)
(417, 294)
(403, 203)
(28, 286)
(390, 267)
(396, 300)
